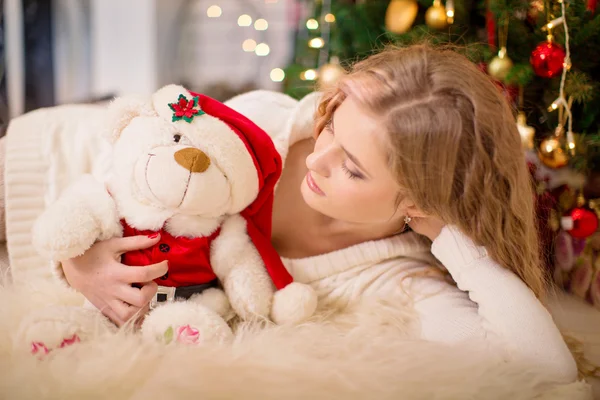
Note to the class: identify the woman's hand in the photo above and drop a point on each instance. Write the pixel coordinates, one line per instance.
(427, 226)
(107, 284)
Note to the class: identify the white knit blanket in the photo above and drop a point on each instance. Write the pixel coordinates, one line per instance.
(373, 360)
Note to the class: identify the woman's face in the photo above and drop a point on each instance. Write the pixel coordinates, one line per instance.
(348, 175)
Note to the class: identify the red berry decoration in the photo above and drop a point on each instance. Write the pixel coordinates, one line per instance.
(547, 59)
(585, 222)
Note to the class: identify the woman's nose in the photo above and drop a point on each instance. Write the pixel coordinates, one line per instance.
(194, 160)
(318, 161)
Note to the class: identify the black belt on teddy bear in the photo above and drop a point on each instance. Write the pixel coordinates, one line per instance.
(165, 293)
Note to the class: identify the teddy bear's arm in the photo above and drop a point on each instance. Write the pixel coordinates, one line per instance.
(239, 267)
(84, 213)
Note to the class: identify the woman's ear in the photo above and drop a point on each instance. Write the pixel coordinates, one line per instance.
(415, 212)
(120, 113)
(409, 209)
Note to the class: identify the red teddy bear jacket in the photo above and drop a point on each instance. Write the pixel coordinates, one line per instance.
(189, 259)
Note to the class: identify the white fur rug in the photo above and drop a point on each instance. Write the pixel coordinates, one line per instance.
(316, 361)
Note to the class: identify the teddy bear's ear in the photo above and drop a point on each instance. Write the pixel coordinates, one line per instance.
(120, 113)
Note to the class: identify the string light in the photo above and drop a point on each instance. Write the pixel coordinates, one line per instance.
(244, 20)
(308, 75)
(249, 45)
(567, 63)
(214, 12)
(262, 49)
(261, 24)
(316, 43)
(312, 24)
(277, 75)
(450, 11)
(329, 18)
(555, 22)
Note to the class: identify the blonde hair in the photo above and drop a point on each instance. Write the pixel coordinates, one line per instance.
(454, 148)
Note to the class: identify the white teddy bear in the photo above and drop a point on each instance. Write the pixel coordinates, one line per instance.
(202, 176)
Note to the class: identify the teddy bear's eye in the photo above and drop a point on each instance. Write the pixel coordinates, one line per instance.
(177, 138)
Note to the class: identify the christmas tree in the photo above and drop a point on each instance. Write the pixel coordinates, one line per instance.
(540, 53)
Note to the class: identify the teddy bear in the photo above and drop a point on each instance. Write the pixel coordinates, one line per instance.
(201, 175)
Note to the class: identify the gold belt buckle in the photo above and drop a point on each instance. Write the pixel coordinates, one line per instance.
(163, 295)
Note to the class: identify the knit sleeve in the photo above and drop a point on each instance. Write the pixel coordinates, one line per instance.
(46, 149)
(493, 304)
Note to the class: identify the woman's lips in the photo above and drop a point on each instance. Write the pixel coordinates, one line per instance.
(313, 185)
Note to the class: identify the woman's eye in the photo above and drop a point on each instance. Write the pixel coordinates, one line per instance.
(177, 138)
(351, 175)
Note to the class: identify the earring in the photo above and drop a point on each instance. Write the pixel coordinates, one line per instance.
(407, 220)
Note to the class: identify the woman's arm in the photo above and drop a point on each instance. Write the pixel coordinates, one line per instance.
(502, 309)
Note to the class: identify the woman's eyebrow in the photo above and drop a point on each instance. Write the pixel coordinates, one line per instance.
(353, 158)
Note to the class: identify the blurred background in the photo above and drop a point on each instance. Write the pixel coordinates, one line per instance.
(543, 56)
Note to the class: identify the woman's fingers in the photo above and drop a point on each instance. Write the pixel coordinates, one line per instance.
(140, 275)
(124, 312)
(138, 297)
(113, 316)
(132, 243)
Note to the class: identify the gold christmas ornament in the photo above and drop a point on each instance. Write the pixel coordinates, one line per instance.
(436, 17)
(535, 8)
(330, 73)
(500, 65)
(400, 15)
(527, 132)
(552, 153)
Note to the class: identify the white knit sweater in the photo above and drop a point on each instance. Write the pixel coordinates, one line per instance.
(49, 148)
(489, 303)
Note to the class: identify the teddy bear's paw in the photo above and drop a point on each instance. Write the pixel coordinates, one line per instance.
(216, 300)
(57, 327)
(187, 323)
(60, 235)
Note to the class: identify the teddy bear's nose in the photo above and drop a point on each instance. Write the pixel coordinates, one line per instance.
(193, 160)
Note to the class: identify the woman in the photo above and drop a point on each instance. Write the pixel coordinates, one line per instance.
(414, 137)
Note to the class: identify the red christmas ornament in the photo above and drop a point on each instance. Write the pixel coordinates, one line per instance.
(490, 24)
(582, 222)
(547, 59)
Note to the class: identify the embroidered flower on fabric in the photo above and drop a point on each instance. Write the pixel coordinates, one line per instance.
(39, 348)
(69, 341)
(185, 109)
(187, 335)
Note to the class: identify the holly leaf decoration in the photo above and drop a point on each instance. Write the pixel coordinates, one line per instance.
(168, 335)
(185, 109)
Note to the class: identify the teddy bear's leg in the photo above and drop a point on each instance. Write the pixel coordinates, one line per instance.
(55, 327)
(186, 322)
(216, 300)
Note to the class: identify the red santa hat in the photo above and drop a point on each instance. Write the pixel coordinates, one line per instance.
(245, 154)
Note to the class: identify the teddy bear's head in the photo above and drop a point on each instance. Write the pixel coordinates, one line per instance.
(184, 153)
